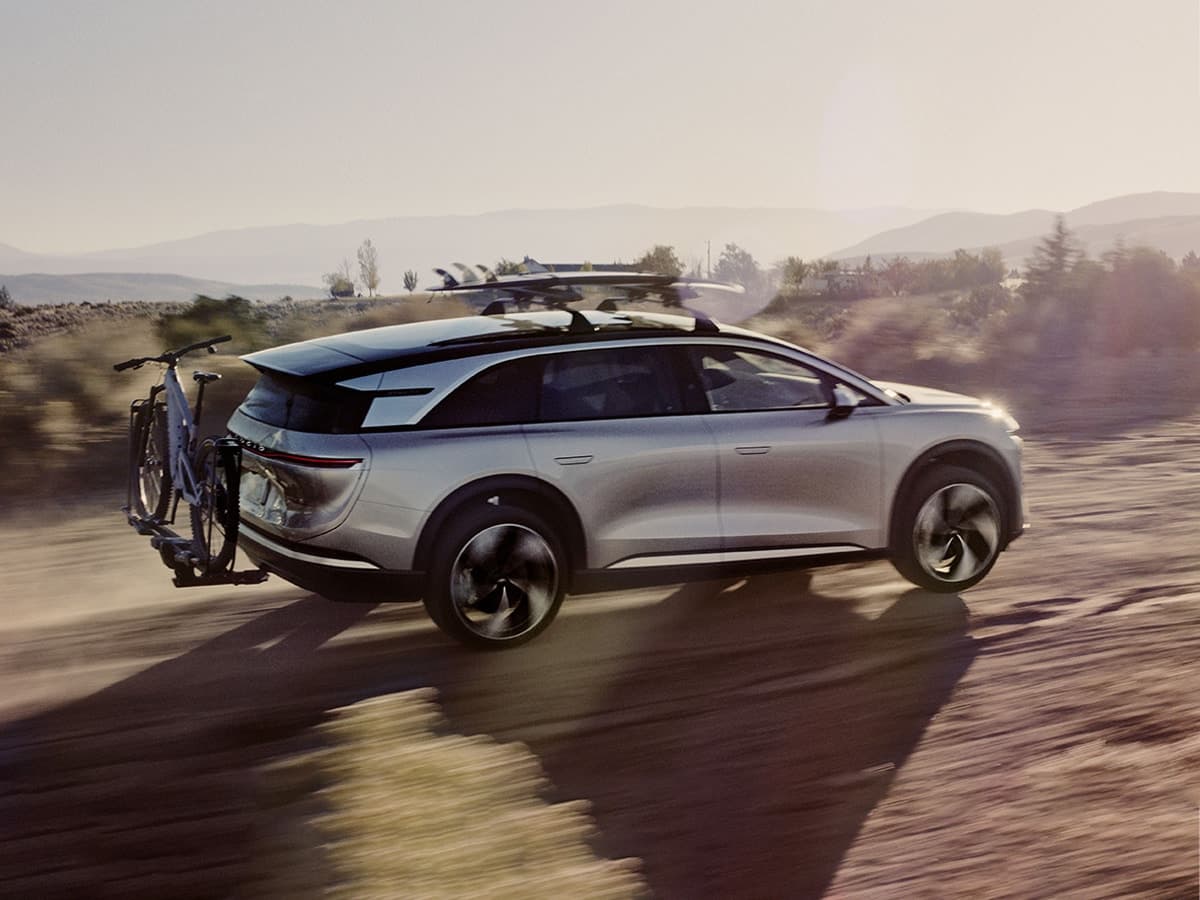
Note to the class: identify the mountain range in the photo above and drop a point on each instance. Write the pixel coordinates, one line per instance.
(97, 287)
(303, 253)
(270, 261)
(1168, 221)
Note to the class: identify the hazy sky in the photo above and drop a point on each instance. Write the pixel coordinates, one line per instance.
(130, 122)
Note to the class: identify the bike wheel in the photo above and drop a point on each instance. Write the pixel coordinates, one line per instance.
(215, 517)
(150, 485)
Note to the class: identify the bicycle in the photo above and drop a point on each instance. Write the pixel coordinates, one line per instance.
(167, 463)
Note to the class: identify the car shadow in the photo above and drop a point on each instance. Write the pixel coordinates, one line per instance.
(745, 732)
(734, 736)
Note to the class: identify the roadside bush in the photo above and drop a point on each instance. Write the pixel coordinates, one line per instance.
(806, 321)
(974, 310)
(888, 341)
(64, 411)
(209, 317)
(1145, 304)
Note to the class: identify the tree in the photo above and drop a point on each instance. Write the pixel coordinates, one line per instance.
(793, 271)
(1053, 259)
(410, 280)
(1144, 302)
(339, 282)
(1190, 262)
(738, 266)
(897, 274)
(6, 300)
(507, 266)
(368, 267)
(660, 260)
(991, 265)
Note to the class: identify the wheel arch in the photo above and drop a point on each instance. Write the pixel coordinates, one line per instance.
(969, 454)
(513, 490)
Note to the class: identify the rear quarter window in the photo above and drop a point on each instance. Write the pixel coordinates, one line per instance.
(505, 394)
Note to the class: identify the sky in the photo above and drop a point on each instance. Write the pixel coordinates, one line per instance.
(129, 122)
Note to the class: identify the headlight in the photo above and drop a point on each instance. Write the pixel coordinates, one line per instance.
(1001, 415)
(1011, 425)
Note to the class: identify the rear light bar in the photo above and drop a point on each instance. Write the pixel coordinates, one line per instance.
(299, 459)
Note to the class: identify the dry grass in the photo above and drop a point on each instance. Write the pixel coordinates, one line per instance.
(395, 810)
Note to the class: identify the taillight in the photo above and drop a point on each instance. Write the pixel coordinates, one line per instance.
(296, 494)
(299, 459)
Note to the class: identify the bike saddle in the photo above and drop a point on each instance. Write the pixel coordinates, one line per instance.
(205, 377)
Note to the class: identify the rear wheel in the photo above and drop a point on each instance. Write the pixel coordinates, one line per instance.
(215, 517)
(497, 577)
(949, 532)
(150, 484)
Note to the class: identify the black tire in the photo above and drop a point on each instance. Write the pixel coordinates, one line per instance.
(150, 484)
(215, 517)
(497, 576)
(949, 531)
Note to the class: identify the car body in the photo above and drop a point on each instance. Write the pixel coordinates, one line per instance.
(493, 462)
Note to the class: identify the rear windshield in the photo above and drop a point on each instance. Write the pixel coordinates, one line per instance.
(299, 405)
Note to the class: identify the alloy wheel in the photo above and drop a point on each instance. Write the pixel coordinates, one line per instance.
(957, 533)
(504, 581)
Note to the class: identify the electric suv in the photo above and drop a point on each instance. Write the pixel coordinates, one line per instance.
(490, 464)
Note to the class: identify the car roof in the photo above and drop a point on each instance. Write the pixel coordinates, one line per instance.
(353, 353)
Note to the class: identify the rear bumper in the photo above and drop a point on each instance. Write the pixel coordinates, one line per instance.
(338, 577)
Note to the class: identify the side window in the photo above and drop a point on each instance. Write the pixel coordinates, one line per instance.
(502, 395)
(609, 384)
(740, 380)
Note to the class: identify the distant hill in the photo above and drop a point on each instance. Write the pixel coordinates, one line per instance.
(303, 253)
(1154, 205)
(116, 286)
(1174, 235)
(1159, 219)
(949, 231)
(269, 262)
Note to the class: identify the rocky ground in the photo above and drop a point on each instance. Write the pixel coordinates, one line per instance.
(781, 736)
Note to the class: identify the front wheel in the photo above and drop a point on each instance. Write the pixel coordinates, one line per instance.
(215, 517)
(497, 577)
(948, 532)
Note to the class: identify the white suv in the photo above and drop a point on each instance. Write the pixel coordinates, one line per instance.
(492, 463)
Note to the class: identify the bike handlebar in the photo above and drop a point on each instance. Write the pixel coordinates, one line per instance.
(170, 357)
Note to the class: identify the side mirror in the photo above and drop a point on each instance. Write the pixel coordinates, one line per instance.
(842, 403)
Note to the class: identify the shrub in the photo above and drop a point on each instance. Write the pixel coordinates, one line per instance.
(208, 317)
(888, 341)
(981, 305)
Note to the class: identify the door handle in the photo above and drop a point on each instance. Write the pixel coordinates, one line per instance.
(754, 451)
(573, 460)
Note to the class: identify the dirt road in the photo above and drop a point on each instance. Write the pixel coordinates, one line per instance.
(781, 736)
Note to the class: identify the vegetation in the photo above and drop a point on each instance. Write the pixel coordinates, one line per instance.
(792, 272)
(368, 267)
(6, 300)
(339, 281)
(1131, 300)
(208, 317)
(659, 260)
(739, 266)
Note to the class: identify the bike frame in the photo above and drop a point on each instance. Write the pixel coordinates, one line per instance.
(181, 436)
